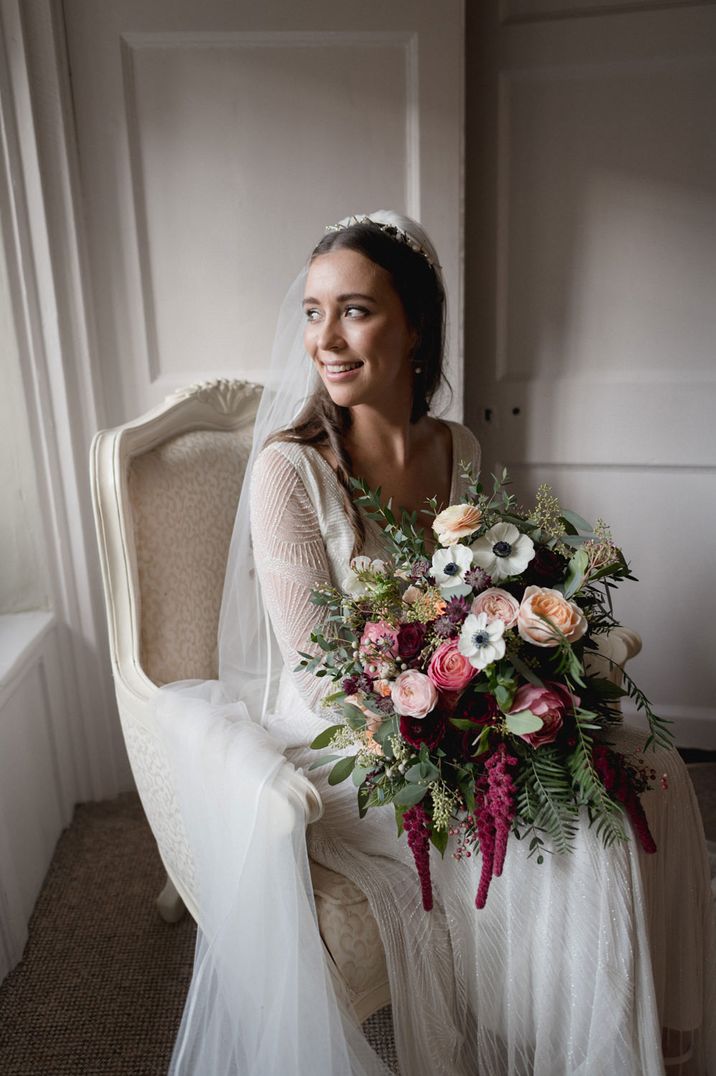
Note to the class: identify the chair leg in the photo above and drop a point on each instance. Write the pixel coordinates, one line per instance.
(169, 903)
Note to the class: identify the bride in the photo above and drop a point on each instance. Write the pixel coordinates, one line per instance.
(593, 963)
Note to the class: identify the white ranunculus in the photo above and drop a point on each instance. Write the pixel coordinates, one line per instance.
(481, 640)
(352, 584)
(503, 551)
(448, 570)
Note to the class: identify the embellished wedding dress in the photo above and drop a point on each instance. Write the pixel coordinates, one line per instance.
(592, 964)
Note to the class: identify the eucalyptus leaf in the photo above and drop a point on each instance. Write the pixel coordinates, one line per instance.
(355, 718)
(359, 775)
(577, 521)
(409, 795)
(324, 738)
(576, 570)
(522, 722)
(342, 770)
(323, 761)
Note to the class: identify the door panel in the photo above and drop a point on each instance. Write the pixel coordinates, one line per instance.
(591, 260)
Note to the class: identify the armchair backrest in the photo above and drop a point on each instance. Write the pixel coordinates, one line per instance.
(165, 491)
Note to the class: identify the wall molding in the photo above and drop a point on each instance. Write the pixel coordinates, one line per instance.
(51, 307)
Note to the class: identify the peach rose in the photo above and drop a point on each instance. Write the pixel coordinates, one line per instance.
(382, 687)
(414, 694)
(457, 521)
(498, 604)
(538, 602)
(448, 669)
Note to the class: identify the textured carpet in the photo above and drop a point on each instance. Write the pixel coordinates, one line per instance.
(101, 987)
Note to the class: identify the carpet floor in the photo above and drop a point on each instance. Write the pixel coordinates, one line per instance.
(101, 986)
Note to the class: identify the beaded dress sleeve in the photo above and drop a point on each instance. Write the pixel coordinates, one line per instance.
(291, 559)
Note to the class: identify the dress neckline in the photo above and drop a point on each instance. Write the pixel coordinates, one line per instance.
(369, 521)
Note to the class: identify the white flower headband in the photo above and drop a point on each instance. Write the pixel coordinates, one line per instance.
(392, 230)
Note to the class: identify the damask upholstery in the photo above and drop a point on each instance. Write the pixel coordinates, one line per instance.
(183, 496)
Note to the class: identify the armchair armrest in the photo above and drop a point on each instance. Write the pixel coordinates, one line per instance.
(617, 646)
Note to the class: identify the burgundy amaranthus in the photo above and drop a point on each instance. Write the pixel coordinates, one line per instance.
(494, 811)
(417, 827)
(613, 770)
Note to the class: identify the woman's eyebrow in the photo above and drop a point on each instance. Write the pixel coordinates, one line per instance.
(342, 298)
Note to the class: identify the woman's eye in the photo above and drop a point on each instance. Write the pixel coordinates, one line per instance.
(312, 315)
(356, 311)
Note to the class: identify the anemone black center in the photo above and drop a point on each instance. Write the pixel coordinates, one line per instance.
(502, 549)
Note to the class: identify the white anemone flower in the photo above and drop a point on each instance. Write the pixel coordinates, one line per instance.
(503, 551)
(481, 640)
(448, 570)
(357, 587)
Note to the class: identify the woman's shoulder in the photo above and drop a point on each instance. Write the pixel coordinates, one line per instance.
(291, 471)
(281, 456)
(466, 447)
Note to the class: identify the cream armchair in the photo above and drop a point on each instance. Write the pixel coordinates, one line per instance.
(165, 489)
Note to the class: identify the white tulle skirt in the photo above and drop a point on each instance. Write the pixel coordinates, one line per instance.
(599, 962)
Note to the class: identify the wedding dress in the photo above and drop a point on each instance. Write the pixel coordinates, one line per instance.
(580, 965)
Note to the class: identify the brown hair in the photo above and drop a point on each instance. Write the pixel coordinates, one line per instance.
(323, 423)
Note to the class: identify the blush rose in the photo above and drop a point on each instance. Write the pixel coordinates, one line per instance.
(414, 694)
(449, 670)
(498, 605)
(539, 602)
(550, 703)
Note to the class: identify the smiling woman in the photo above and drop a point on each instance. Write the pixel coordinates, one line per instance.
(374, 305)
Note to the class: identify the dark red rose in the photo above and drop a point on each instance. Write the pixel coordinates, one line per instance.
(410, 640)
(427, 730)
(481, 709)
(546, 567)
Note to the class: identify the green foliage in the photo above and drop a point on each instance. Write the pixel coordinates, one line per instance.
(342, 770)
(545, 799)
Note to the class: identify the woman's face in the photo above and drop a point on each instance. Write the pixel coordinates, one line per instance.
(356, 331)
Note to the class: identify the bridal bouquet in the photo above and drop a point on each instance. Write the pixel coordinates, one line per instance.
(466, 694)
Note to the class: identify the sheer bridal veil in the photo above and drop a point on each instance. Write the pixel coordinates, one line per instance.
(262, 1000)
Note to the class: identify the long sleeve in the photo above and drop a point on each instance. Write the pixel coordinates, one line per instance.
(290, 557)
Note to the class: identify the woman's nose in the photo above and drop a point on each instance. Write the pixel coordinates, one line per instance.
(330, 337)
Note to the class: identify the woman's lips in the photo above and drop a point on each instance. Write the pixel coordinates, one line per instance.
(341, 371)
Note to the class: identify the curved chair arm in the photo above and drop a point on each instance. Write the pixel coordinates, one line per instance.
(614, 649)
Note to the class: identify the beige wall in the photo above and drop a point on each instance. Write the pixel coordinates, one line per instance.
(23, 582)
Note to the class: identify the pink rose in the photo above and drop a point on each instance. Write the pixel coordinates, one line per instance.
(539, 602)
(498, 604)
(449, 670)
(549, 703)
(414, 694)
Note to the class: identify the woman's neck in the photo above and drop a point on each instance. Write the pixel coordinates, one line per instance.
(379, 437)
